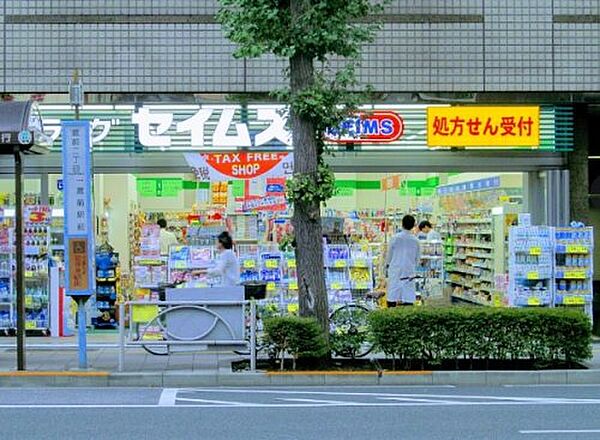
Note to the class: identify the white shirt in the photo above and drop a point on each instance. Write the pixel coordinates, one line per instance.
(227, 268)
(434, 236)
(166, 240)
(404, 254)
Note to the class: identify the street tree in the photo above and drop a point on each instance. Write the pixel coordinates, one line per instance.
(322, 41)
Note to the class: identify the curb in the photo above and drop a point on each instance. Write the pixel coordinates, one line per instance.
(184, 379)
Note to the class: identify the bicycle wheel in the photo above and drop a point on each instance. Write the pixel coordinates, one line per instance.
(349, 328)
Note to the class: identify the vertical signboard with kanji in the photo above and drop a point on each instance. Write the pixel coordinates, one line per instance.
(79, 224)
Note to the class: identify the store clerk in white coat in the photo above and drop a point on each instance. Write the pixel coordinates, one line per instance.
(227, 266)
(403, 256)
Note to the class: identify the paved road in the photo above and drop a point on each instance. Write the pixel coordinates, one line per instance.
(328, 413)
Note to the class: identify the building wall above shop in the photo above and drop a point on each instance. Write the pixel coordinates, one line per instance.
(427, 46)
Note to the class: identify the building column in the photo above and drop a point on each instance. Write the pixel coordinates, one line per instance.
(578, 167)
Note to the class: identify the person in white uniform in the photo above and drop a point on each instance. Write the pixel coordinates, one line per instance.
(166, 238)
(430, 234)
(227, 266)
(403, 256)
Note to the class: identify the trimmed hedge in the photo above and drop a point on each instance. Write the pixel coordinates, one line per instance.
(302, 338)
(435, 335)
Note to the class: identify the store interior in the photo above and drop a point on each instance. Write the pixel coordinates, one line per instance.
(469, 264)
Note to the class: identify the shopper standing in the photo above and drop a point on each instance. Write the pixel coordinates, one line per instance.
(403, 256)
(429, 234)
(166, 238)
(227, 266)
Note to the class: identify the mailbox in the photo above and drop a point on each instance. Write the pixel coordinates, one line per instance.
(21, 126)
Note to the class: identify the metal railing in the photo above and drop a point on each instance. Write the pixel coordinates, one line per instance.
(171, 339)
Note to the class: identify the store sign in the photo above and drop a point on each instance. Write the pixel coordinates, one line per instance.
(275, 186)
(474, 185)
(37, 214)
(167, 187)
(155, 123)
(173, 127)
(79, 221)
(391, 182)
(369, 127)
(266, 203)
(479, 126)
(243, 165)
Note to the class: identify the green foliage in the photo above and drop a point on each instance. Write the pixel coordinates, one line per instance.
(437, 334)
(305, 189)
(328, 27)
(297, 336)
(319, 29)
(349, 332)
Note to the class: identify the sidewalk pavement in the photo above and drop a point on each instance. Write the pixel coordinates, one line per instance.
(54, 362)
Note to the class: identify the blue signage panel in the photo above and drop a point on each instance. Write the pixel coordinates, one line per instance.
(79, 221)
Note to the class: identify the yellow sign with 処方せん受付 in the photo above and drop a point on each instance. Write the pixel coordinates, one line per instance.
(483, 126)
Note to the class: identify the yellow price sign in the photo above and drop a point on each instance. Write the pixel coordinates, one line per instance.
(272, 264)
(293, 308)
(249, 264)
(361, 286)
(337, 286)
(293, 285)
(144, 313)
(291, 264)
(577, 249)
(28, 301)
(535, 251)
(30, 325)
(340, 263)
(360, 263)
(153, 337)
(533, 275)
(575, 274)
(534, 301)
(271, 286)
(497, 300)
(573, 300)
(504, 198)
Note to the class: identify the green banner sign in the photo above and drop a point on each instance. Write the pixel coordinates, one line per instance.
(167, 187)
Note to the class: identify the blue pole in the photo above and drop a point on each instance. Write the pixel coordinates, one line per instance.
(82, 339)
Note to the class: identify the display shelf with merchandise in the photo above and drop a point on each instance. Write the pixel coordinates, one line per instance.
(188, 264)
(107, 288)
(337, 259)
(271, 271)
(476, 252)
(573, 272)
(249, 260)
(431, 269)
(361, 269)
(531, 254)
(36, 243)
(7, 292)
(290, 277)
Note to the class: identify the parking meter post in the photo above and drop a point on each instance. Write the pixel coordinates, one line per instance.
(253, 336)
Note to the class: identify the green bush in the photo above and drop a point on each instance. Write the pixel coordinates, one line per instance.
(302, 338)
(434, 335)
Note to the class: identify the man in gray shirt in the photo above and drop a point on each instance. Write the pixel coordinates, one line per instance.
(403, 256)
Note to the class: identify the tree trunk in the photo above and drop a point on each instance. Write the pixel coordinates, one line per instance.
(578, 168)
(307, 218)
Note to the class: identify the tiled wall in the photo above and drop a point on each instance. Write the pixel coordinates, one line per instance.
(424, 46)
